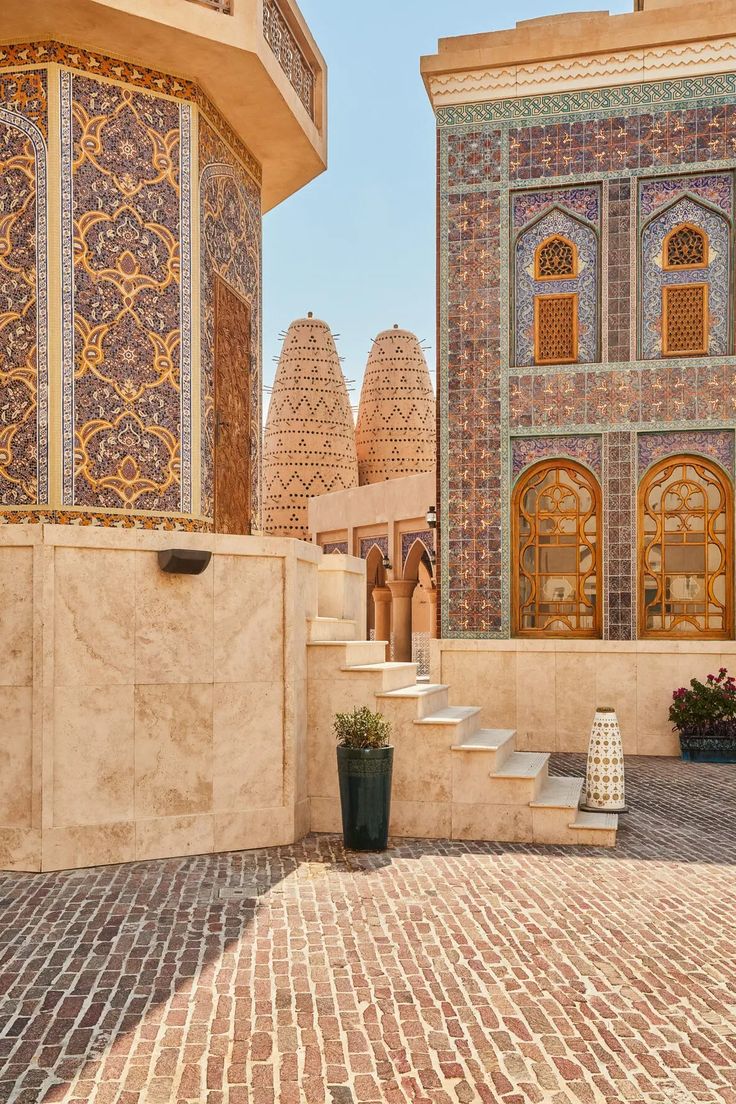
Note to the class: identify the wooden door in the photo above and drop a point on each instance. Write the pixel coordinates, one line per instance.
(232, 411)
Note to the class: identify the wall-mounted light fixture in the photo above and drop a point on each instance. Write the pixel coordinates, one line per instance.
(183, 561)
(432, 557)
(432, 517)
(386, 562)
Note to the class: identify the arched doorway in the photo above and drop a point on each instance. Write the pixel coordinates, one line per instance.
(375, 576)
(423, 605)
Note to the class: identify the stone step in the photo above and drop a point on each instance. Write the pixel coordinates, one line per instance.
(559, 793)
(463, 719)
(497, 743)
(519, 779)
(427, 698)
(331, 628)
(354, 653)
(390, 677)
(594, 829)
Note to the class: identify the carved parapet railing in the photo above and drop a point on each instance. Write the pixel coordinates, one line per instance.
(288, 53)
(224, 6)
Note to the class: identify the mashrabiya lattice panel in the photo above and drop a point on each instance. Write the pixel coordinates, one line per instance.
(715, 275)
(23, 291)
(124, 187)
(585, 285)
(230, 232)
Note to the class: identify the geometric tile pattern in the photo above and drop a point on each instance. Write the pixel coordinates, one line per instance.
(305, 974)
(633, 146)
(230, 235)
(619, 541)
(425, 536)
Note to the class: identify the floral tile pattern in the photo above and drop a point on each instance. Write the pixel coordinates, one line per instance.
(587, 448)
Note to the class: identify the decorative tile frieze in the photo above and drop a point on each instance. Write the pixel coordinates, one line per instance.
(586, 448)
(717, 444)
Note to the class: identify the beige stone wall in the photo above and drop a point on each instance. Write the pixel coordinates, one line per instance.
(146, 714)
(548, 690)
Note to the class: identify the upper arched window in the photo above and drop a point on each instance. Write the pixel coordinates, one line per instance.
(557, 559)
(556, 258)
(686, 550)
(686, 246)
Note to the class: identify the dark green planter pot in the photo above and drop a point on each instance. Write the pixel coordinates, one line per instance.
(716, 744)
(365, 796)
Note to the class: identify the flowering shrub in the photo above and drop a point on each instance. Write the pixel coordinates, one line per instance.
(705, 704)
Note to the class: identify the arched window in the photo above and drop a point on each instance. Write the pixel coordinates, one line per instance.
(556, 258)
(557, 551)
(686, 246)
(686, 550)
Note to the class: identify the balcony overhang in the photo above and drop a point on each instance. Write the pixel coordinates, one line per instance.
(227, 55)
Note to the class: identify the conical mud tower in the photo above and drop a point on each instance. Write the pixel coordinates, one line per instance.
(395, 435)
(309, 446)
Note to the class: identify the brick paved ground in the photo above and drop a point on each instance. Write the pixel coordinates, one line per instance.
(441, 973)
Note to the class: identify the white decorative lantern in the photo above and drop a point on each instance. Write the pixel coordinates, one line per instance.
(604, 776)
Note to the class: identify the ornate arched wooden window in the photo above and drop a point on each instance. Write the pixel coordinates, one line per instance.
(685, 550)
(557, 551)
(686, 246)
(685, 306)
(556, 316)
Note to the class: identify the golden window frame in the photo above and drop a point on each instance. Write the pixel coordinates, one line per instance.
(661, 474)
(687, 267)
(534, 476)
(701, 349)
(538, 299)
(565, 276)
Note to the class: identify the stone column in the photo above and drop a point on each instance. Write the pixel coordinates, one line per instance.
(432, 596)
(382, 612)
(401, 592)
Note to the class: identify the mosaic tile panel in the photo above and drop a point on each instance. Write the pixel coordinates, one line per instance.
(716, 275)
(426, 536)
(335, 546)
(619, 269)
(525, 451)
(715, 188)
(474, 157)
(124, 190)
(584, 285)
(23, 291)
(231, 248)
(619, 537)
(583, 202)
(366, 543)
(717, 444)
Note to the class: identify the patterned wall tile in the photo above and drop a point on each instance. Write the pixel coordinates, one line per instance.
(619, 539)
(619, 269)
(23, 290)
(718, 444)
(587, 448)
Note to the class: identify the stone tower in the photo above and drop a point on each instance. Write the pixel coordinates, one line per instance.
(395, 435)
(309, 446)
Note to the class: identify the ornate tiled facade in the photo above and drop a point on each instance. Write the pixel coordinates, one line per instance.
(621, 162)
(107, 410)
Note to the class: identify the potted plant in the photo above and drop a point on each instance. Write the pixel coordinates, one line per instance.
(705, 718)
(364, 765)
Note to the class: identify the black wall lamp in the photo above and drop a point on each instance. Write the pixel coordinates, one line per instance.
(432, 517)
(183, 561)
(386, 562)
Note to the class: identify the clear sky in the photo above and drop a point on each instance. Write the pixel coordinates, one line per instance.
(357, 245)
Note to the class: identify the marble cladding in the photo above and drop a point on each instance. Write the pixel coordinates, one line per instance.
(172, 703)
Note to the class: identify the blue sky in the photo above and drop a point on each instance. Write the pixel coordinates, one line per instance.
(357, 245)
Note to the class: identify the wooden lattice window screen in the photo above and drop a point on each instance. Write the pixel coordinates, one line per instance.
(557, 572)
(684, 319)
(685, 550)
(686, 247)
(556, 328)
(556, 259)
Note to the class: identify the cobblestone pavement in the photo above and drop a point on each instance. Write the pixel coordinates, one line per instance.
(440, 973)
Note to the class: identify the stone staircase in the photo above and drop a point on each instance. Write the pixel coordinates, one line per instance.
(452, 778)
